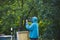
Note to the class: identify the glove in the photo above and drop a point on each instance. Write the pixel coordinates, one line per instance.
(26, 21)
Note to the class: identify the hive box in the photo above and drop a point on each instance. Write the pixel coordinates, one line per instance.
(22, 35)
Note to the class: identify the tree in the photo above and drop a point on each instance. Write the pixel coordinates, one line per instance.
(13, 13)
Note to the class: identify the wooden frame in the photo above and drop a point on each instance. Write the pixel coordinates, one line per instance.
(22, 35)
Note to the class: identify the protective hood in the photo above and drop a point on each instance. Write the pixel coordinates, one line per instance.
(34, 19)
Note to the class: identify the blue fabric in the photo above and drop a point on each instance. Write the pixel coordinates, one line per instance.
(33, 38)
(33, 28)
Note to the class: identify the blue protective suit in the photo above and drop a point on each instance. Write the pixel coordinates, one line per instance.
(33, 28)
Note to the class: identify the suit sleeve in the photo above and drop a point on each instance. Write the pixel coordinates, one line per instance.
(29, 27)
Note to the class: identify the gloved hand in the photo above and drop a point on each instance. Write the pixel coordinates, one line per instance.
(26, 21)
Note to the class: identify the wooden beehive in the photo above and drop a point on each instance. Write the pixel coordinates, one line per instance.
(22, 35)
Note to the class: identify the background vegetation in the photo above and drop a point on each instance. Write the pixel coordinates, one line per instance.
(13, 13)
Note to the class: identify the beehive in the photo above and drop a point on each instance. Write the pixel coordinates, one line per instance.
(23, 35)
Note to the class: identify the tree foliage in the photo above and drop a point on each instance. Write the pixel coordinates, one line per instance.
(13, 13)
